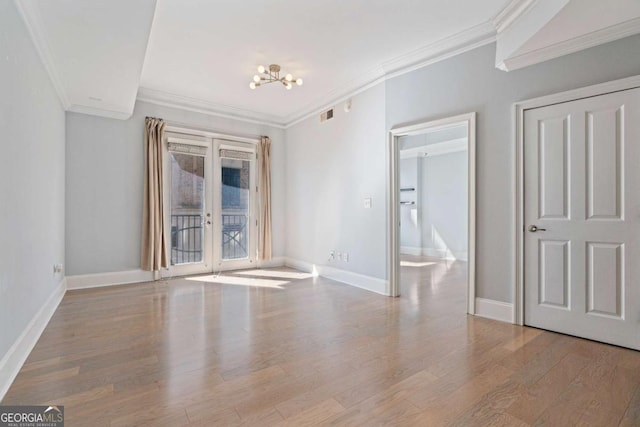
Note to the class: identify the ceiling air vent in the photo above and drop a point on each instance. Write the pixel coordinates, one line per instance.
(326, 115)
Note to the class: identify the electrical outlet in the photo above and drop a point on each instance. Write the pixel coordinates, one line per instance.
(57, 268)
(345, 257)
(332, 256)
(339, 256)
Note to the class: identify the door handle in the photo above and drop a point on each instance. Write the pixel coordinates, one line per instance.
(534, 228)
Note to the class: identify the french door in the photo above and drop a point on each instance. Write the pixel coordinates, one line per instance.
(209, 206)
(235, 219)
(582, 218)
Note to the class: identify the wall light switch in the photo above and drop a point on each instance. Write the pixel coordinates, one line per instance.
(367, 203)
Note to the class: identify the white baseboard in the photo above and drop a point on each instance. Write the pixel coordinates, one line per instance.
(496, 310)
(12, 362)
(301, 265)
(86, 281)
(434, 253)
(273, 262)
(358, 280)
(411, 250)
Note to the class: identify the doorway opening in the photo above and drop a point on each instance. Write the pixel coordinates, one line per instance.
(432, 230)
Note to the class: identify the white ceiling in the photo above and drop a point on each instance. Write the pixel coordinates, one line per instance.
(209, 50)
(596, 15)
(102, 55)
(93, 49)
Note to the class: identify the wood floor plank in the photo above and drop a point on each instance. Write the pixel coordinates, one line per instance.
(543, 393)
(314, 415)
(317, 352)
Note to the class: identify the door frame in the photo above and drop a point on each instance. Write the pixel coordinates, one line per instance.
(189, 132)
(519, 109)
(394, 199)
(207, 244)
(219, 263)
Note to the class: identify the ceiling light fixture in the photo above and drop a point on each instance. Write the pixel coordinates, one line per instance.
(272, 75)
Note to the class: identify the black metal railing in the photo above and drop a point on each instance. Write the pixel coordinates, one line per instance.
(187, 238)
(234, 236)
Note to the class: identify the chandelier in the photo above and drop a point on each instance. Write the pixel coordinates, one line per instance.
(272, 75)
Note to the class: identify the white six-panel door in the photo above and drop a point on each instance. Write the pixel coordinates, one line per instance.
(582, 218)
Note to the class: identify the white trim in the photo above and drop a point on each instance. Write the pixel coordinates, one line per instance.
(166, 99)
(101, 112)
(12, 362)
(433, 253)
(469, 39)
(518, 129)
(218, 262)
(393, 207)
(437, 149)
(273, 262)
(511, 13)
(33, 24)
(585, 41)
(86, 281)
(411, 250)
(300, 265)
(368, 283)
(348, 92)
(496, 310)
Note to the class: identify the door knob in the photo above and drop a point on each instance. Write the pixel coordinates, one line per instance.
(534, 228)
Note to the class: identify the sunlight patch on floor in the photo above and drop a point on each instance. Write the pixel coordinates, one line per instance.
(240, 281)
(415, 264)
(275, 273)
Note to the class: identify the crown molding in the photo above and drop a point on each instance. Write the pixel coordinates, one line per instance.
(511, 12)
(32, 22)
(440, 50)
(337, 96)
(596, 38)
(196, 105)
(100, 112)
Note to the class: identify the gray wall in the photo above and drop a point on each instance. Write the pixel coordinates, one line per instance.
(32, 188)
(105, 159)
(443, 208)
(331, 168)
(470, 82)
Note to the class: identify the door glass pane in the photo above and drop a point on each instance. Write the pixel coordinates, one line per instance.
(187, 208)
(235, 208)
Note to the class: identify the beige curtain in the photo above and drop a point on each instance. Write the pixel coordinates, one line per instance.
(154, 253)
(264, 164)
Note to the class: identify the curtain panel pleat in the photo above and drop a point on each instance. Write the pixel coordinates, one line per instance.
(264, 163)
(154, 251)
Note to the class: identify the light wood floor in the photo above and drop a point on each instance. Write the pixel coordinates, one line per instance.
(304, 351)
